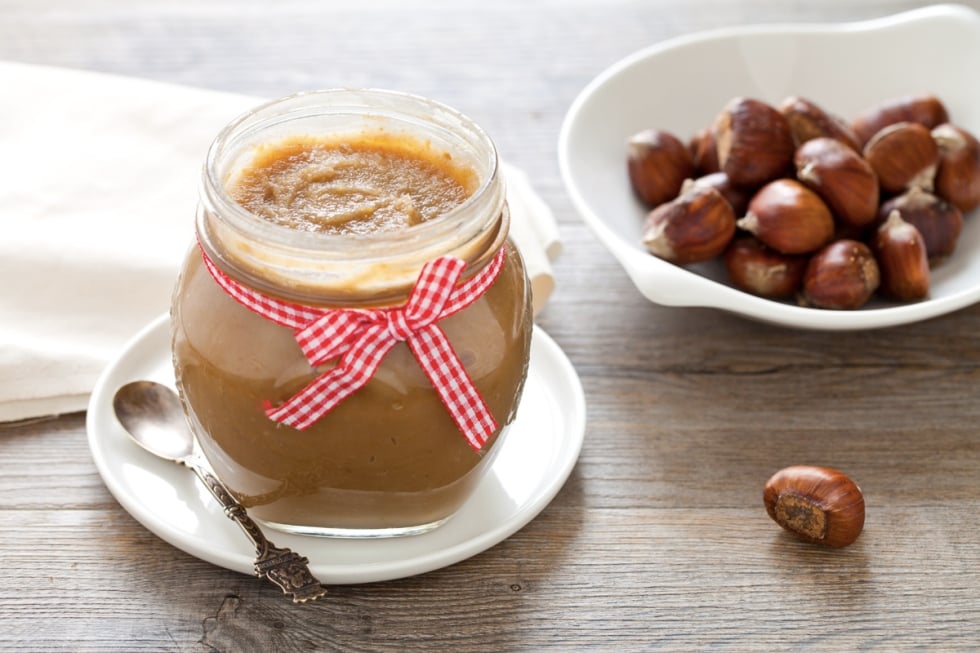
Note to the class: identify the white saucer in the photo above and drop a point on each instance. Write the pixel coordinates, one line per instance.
(535, 460)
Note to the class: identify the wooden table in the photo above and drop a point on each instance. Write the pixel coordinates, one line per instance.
(659, 540)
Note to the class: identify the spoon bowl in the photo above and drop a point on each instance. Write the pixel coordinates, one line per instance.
(153, 416)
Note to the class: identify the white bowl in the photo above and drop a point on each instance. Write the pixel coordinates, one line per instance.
(682, 84)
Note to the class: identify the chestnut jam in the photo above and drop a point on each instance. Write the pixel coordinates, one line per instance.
(336, 200)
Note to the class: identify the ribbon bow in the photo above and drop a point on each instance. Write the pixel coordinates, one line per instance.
(361, 338)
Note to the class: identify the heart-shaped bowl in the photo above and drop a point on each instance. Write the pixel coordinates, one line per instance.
(682, 84)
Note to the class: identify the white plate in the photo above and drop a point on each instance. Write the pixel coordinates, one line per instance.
(533, 464)
(682, 84)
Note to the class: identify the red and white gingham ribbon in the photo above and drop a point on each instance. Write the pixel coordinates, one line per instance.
(361, 338)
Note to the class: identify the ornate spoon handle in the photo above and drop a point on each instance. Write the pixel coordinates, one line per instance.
(288, 570)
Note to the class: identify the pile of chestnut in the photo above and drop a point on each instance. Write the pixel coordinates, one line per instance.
(801, 203)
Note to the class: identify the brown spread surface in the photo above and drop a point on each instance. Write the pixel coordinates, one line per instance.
(376, 183)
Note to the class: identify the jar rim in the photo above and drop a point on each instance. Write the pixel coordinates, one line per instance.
(459, 222)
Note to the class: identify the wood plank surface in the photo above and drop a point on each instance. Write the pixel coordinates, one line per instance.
(658, 541)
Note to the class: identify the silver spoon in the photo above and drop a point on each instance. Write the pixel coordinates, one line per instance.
(152, 415)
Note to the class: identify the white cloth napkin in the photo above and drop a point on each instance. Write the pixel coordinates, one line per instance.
(99, 186)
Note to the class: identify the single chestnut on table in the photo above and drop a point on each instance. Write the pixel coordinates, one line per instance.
(817, 504)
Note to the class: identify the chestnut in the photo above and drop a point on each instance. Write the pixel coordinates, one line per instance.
(695, 226)
(704, 152)
(958, 175)
(789, 217)
(762, 271)
(841, 177)
(737, 197)
(807, 120)
(657, 163)
(901, 254)
(841, 276)
(939, 222)
(926, 110)
(754, 142)
(817, 504)
(904, 156)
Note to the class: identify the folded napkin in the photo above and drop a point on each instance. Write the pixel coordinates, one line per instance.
(100, 177)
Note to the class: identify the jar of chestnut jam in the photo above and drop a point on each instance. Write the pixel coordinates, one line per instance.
(328, 215)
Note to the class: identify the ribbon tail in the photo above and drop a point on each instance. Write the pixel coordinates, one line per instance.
(454, 385)
(322, 394)
(475, 287)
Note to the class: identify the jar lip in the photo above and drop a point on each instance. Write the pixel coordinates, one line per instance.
(370, 101)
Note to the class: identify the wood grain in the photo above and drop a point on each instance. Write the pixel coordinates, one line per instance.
(658, 542)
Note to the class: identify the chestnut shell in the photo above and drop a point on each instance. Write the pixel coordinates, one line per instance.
(817, 504)
(841, 276)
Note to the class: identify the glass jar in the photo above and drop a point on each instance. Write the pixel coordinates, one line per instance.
(389, 459)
